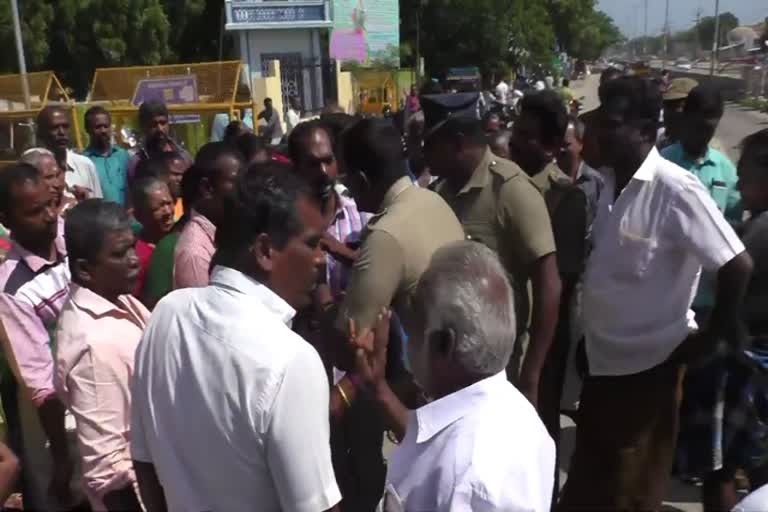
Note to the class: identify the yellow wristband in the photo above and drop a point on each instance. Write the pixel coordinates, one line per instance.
(343, 396)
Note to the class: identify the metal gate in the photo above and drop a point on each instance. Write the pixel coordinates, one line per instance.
(312, 80)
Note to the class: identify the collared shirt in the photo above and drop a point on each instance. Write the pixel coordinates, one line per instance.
(650, 244)
(33, 292)
(112, 170)
(82, 173)
(501, 207)
(193, 252)
(95, 347)
(231, 405)
(347, 227)
(718, 174)
(142, 154)
(397, 245)
(480, 449)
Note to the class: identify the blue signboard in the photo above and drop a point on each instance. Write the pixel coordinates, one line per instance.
(170, 90)
(246, 14)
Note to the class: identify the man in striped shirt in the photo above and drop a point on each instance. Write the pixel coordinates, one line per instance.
(34, 284)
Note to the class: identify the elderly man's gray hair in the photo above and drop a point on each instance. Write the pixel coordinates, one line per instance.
(465, 289)
(35, 156)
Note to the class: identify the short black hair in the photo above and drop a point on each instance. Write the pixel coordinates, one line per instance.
(300, 133)
(94, 111)
(566, 82)
(705, 100)
(248, 144)
(375, 146)
(638, 100)
(86, 226)
(205, 167)
(151, 109)
(754, 151)
(548, 107)
(264, 202)
(141, 188)
(606, 76)
(12, 176)
(157, 166)
(231, 132)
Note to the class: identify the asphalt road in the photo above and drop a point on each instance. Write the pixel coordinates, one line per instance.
(737, 123)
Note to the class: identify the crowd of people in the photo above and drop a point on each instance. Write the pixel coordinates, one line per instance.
(241, 329)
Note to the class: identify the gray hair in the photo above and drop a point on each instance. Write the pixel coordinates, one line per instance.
(35, 156)
(465, 289)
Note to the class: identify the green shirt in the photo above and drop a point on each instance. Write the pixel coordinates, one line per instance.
(159, 280)
(112, 170)
(718, 174)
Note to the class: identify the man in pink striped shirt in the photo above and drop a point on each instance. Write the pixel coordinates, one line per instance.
(210, 181)
(34, 281)
(96, 338)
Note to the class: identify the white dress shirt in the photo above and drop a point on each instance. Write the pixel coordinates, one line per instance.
(649, 246)
(81, 171)
(480, 449)
(230, 405)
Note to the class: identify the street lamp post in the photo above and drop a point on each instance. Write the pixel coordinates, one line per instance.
(20, 54)
(716, 39)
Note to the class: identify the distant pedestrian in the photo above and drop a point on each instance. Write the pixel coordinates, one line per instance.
(111, 161)
(80, 176)
(271, 128)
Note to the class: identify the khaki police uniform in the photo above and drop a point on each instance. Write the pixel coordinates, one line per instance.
(567, 207)
(397, 246)
(500, 207)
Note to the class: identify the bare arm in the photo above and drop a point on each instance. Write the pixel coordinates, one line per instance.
(51, 414)
(149, 487)
(732, 281)
(9, 472)
(546, 285)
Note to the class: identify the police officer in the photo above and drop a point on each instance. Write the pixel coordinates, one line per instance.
(499, 206)
(410, 224)
(538, 137)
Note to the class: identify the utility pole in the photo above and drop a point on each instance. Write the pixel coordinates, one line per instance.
(645, 29)
(666, 36)
(20, 54)
(699, 11)
(716, 39)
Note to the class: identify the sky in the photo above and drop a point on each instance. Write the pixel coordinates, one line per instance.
(628, 14)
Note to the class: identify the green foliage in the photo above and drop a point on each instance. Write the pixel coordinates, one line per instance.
(706, 29)
(73, 37)
(496, 35)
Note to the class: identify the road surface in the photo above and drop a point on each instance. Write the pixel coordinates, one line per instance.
(737, 123)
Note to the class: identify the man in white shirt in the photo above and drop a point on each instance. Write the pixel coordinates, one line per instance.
(293, 116)
(480, 444)
(656, 227)
(502, 91)
(230, 406)
(82, 181)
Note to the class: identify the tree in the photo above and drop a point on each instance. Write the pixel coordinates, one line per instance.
(706, 29)
(36, 16)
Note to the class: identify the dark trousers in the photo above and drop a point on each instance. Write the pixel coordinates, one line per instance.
(552, 377)
(626, 431)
